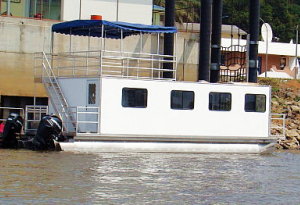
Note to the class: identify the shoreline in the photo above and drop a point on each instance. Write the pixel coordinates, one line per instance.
(286, 100)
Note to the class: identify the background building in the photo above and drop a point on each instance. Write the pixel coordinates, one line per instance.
(135, 11)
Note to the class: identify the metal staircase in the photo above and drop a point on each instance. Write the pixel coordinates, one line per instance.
(57, 98)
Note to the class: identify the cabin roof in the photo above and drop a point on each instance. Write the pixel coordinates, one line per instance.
(112, 29)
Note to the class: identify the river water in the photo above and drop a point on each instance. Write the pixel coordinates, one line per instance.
(28, 177)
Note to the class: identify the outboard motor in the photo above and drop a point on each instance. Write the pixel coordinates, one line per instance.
(12, 128)
(49, 129)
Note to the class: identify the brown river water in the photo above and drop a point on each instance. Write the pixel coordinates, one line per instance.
(28, 177)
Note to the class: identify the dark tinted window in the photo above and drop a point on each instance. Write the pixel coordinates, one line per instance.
(134, 97)
(255, 103)
(220, 101)
(92, 94)
(182, 100)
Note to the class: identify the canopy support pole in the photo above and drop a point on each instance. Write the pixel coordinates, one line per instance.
(101, 49)
(87, 53)
(70, 46)
(52, 43)
(158, 39)
(121, 46)
(141, 42)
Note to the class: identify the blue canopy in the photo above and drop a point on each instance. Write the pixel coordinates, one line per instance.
(112, 29)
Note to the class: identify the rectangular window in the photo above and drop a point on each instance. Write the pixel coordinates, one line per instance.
(220, 101)
(45, 9)
(182, 100)
(255, 103)
(134, 97)
(92, 94)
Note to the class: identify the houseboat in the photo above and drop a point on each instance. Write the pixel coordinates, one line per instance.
(118, 100)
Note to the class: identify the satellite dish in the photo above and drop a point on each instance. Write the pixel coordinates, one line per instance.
(266, 32)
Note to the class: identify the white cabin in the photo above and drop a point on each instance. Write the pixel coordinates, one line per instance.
(160, 107)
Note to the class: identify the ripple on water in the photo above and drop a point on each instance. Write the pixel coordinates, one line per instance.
(130, 178)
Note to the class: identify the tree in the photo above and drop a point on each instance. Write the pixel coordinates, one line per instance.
(185, 10)
(282, 15)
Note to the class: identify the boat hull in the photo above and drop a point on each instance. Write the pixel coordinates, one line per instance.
(172, 145)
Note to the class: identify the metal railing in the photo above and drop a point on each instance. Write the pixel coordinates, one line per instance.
(88, 119)
(33, 116)
(57, 97)
(85, 119)
(109, 63)
(233, 68)
(278, 126)
(5, 111)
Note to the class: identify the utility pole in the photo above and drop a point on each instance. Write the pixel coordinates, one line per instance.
(8, 8)
(267, 45)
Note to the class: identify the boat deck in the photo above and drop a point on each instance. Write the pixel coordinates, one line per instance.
(178, 139)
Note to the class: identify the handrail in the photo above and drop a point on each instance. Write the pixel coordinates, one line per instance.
(110, 51)
(281, 127)
(51, 78)
(105, 62)
(12, 108)
(88, 111)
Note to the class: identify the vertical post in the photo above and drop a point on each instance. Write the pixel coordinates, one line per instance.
(169, 37)
(121, 43)
(117, 14)
(52, 42)
(8, 8)
(80, 6)
(267, 45)
(101, 49)
(216, 40)
(254, 14)
(141, 42)
(157, 52)
(296, 56)
(267, 49)
(88, 52)
(205, 40)
(70, 43)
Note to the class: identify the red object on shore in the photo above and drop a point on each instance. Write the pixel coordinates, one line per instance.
(96, 17)
(1, 127)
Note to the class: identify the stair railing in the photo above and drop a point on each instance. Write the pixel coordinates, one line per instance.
(51, 78)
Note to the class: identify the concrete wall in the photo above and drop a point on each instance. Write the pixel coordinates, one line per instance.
(133, 11)
(21, 38)
(16, 8)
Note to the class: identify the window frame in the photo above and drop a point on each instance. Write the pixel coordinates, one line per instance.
(182, 100)
(210, 107)
(265, 103)
(136, 105)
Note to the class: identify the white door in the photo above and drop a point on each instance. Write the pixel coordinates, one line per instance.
(88, 117)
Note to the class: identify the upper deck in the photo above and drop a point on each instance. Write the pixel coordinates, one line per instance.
(103, 61)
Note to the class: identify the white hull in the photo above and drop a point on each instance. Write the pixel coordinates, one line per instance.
(164, 147)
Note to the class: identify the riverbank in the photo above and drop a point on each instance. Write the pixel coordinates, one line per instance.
(286, 100)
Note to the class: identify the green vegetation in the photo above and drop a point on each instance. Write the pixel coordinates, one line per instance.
(282, 15)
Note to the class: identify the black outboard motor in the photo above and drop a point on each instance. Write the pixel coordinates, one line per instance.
(12, 128)
(49, 129)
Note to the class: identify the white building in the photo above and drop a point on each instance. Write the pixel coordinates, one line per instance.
(134, 11)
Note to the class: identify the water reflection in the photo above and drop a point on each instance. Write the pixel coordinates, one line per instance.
(110, 178)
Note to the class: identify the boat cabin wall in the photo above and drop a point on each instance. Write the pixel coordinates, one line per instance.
(158, 118)
(76, 91)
